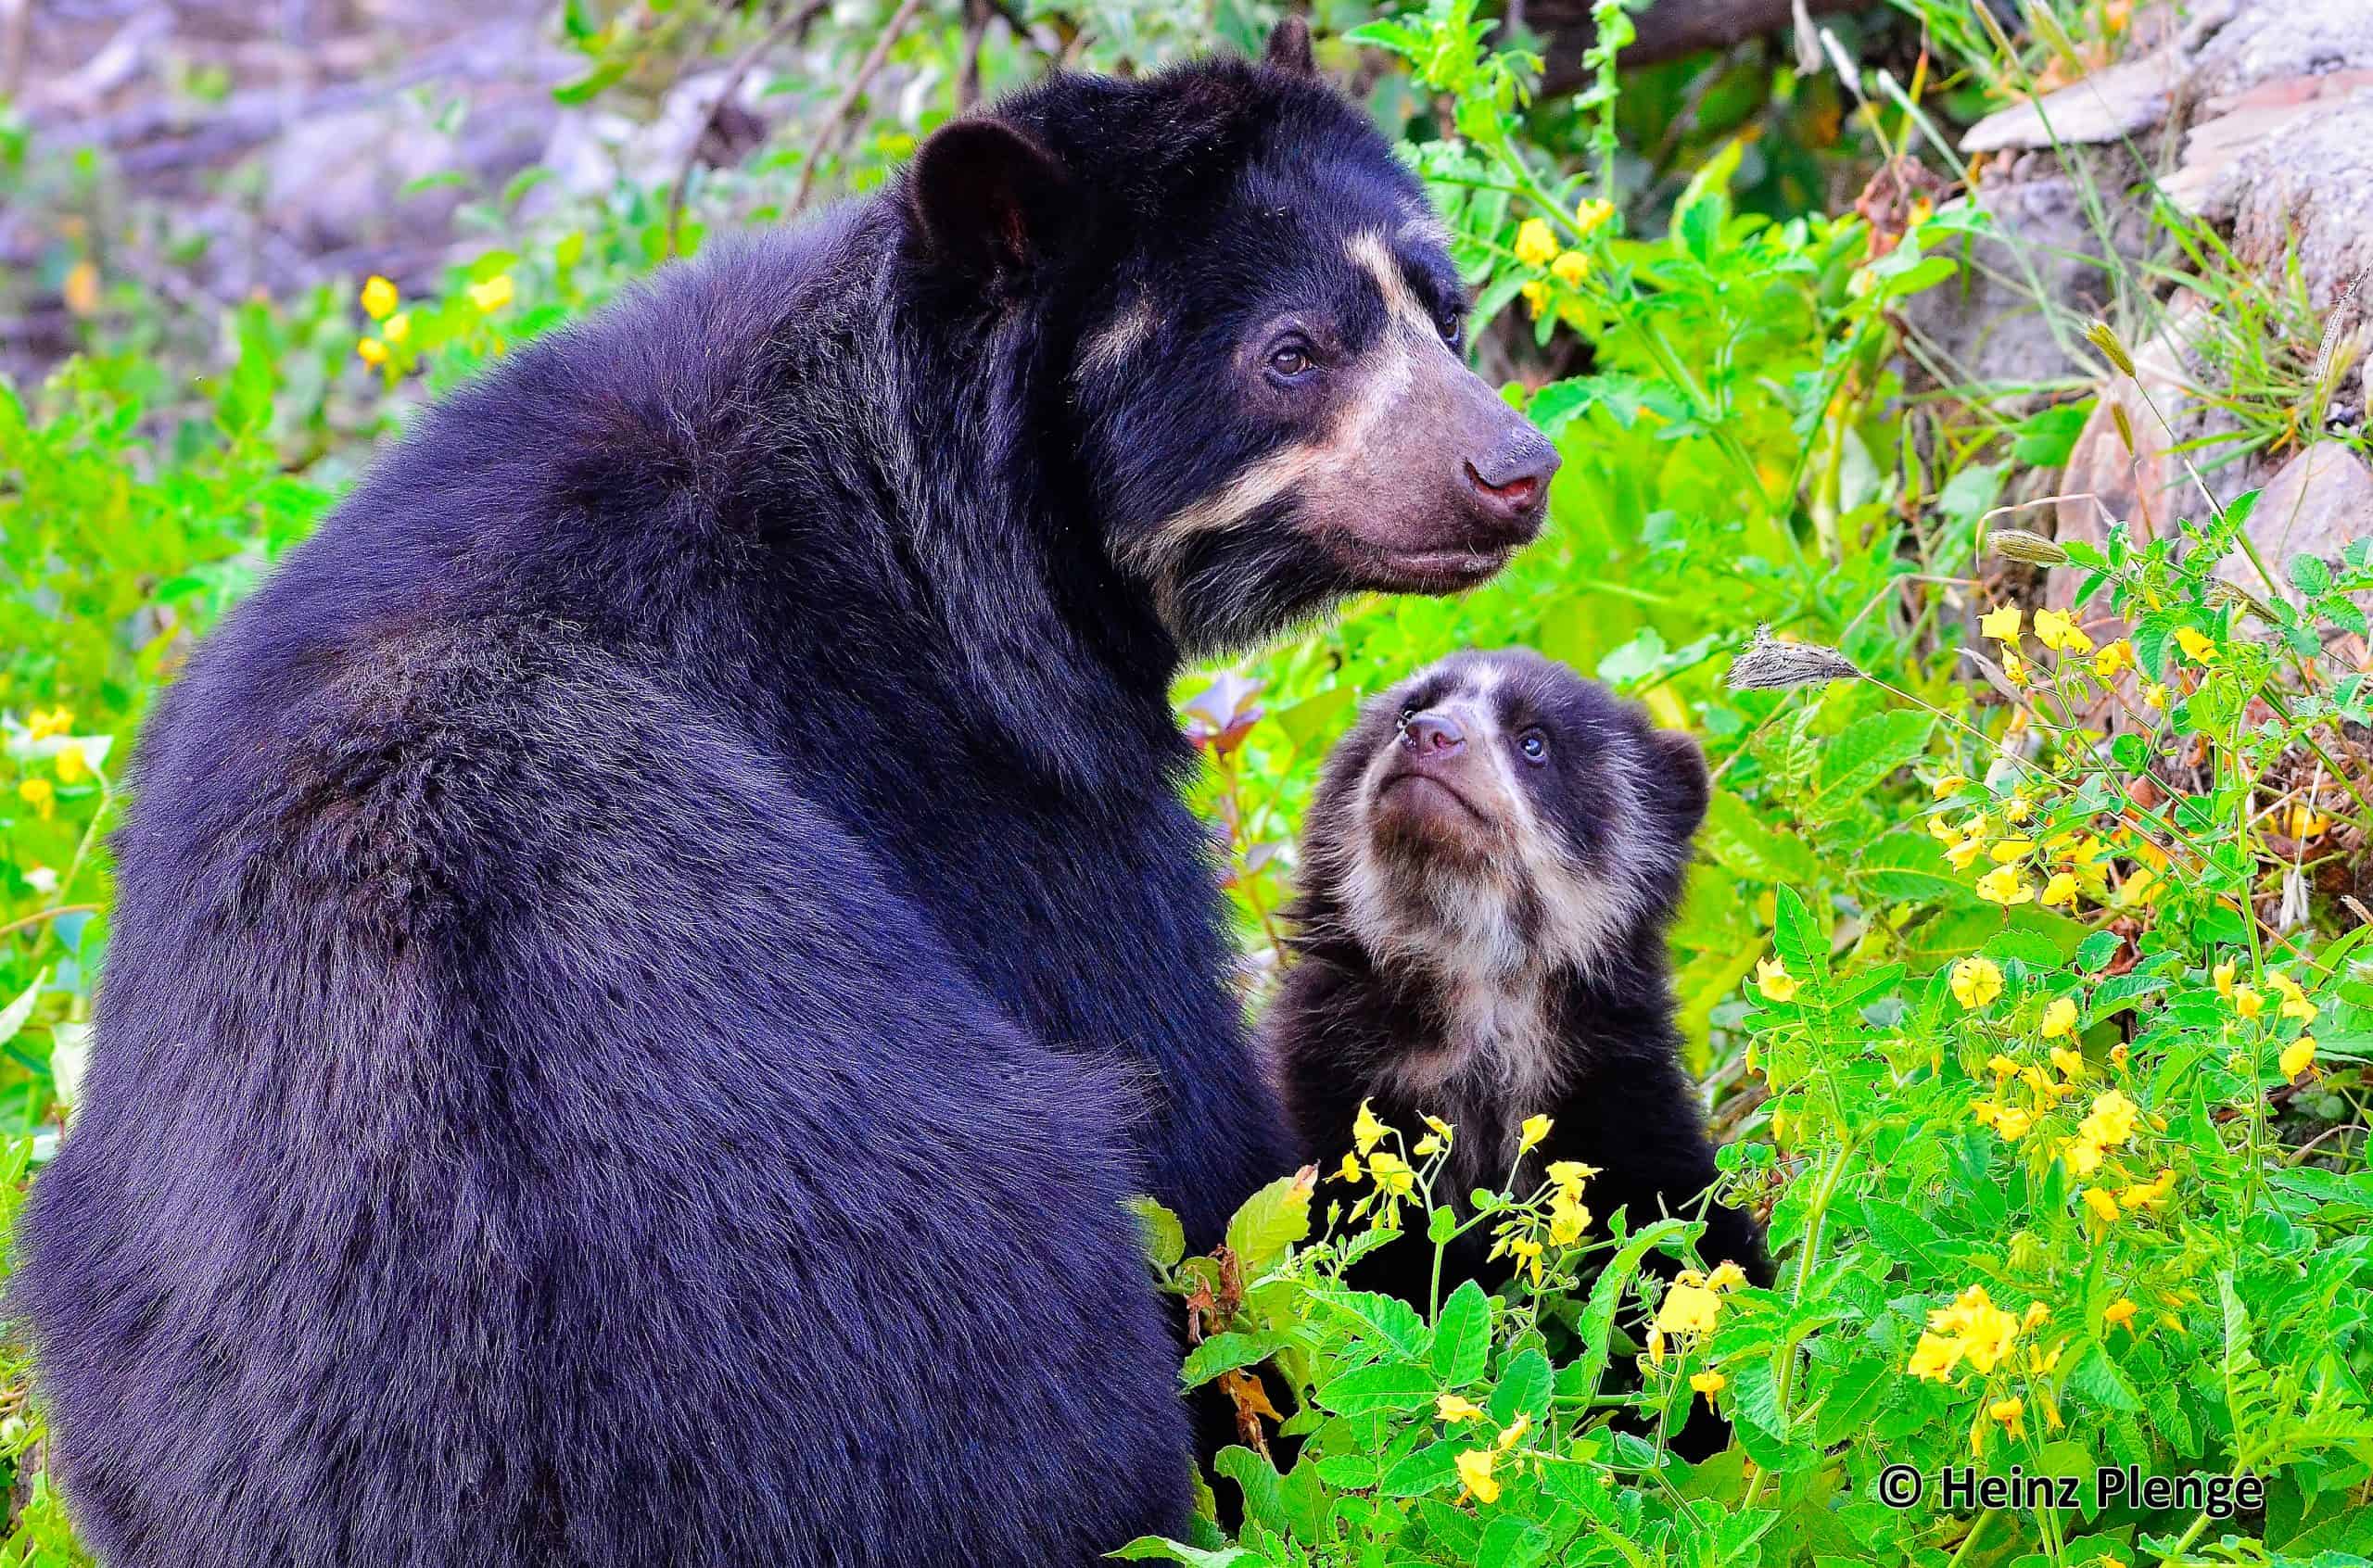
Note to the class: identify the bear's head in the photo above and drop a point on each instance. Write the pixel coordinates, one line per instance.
(1250, 319)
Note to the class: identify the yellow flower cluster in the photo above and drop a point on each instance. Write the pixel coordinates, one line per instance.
(2109, 1125)
(1973, 1330)
(1691, 1306)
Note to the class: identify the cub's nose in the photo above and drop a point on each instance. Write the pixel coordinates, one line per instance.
(1511, 483)
(1434, 737)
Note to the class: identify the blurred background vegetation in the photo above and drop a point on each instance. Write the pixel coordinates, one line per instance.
(1801, 332)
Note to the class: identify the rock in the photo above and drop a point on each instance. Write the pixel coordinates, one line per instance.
(2119, 101)
(2268, 40)
(2320, 500)
(2103, 480)
(2308, 189)
(2221, 151)
(1989, 325)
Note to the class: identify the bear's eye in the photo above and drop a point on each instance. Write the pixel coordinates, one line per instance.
(1453, 328)
(1290, 358)
(1535, 745)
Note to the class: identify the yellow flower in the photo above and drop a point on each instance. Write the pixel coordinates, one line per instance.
(1964, 854)
(1393, 1177)
(2002, 1065)
(2002, 886)
(2143, 887)
(397, 327)
(40, 794)
(1571, 268)
(1568, 1221)
(2198, 649)
(492, 295)
(1535, 243)
(1971, 1327)
(1536, 298)
(1351, 1171)
(1428, 1144)
(1475, 1474)
(2223, 975)
(72, 765)
(2104, 1207)
(2013, 1122)
(1687, 1308)
(1772, 978)
(1515, 1432)
(1593, 215)
(2112, 659)
(2119, 1053)
(1442, 1130)
(1934, 1356)
(1568, 1176)
(372, 352)
(2014, 668)
(2001, 625)
(2247, 1002)
(1457, 1408)
(2018, 808)
(1529, 1137)
(2119, 1311)
(2008, 849)
(378, 297)
(2007, 1411)
(1727, 1275)
(1950, 785)
(1366, 1131)
(1943, 832)
(2298, 1055)
(2155, 694)
(2061, 889)
(1708, 1382)
(2307, 823)
(2295, 1001)
(81, 288)
(40, 726)
(2058, 631)
(2111, 1119)
(2147, 1195)
(1976, 981)
(1528, 1256)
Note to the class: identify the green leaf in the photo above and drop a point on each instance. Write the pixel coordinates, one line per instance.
(1906, 866)
(1739, 843)
(1869, 750)
(1525, 1388)
(2045, 439)
(13, 1017)
(1511, 1542)
(1153, 1549)
(1223, 1353)
(1429, 1469)
(1385, 1318)
(1579, 1378)
(1271, 1220)
(1803, 947)
(1463, 1336)
(1165, 1238)
(1387, 1385)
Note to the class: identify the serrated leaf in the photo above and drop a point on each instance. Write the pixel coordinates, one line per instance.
(1463, 1336)
(1387, 1385)
(1429, 1469)
(1869, 750)
(1739, 843)
(1271, 1220)
(1165, 1238)
(1224, 1352)
(1384, 1318)
(1510, 1542)
(1905, 866)
(1524, 1389)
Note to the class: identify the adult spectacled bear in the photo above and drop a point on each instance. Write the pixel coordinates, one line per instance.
(652, 953)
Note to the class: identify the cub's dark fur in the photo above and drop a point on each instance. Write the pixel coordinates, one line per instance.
(1488, 866)
(651, 954)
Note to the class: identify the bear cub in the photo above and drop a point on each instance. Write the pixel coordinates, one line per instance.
(1489, 865)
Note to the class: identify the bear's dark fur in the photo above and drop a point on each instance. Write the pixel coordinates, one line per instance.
(652, 953)
(1490, 863)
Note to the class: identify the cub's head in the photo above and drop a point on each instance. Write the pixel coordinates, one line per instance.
(1254, 330)
(1496, 813)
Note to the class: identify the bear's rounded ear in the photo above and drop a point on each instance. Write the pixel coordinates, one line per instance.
(1687, 788)
(1288, 47)
(986, 197)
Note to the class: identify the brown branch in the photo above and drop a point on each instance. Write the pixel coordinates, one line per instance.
(828, 139)
(1668, 29)
(795, 22)
(41, 916)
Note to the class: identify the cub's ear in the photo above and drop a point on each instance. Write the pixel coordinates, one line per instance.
(987, 198)
(1288, 47)
(1685, 789)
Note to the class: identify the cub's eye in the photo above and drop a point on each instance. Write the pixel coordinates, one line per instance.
(1453, 330)
(1408, 711)
(1535, 745)
(1290, 358)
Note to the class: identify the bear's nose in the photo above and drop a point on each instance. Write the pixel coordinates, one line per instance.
(1434, 737)
(1512, 482)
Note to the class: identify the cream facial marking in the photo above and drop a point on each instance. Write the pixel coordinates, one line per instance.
(1369, 252)
(1497, 920)
(1117, 339)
